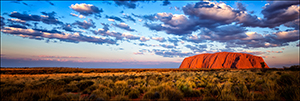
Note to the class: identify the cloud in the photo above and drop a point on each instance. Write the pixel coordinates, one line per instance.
(66, 37)
(253, 36)
(75, 15)
(48, 56)
(115, 18)
(18, 26)
(197, 48)
(86, 9)
(224, 33)
(253, 52)
(150, 17)
(294, 24)
(50, 3)
(68, 27)
(119, 36)
(210, 14)
(283, 37)
(2, 21)
(130, 36)
(129, 18)
(275, 14)
(171, 53)
(166, 2)
(128, 4)
(174, 40)
(32, 62)
(112, 20)
(172, 24)
(138, 53)
(167, 46)
(160, 39)
(85, 24)
(193, 38)
(124, 26)
(241, 6)
(19, 21)
(47, 18)
(144, 39)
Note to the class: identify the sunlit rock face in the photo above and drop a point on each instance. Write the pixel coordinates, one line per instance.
(223, 60)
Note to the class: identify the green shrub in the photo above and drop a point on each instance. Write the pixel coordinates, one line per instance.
(134, 93)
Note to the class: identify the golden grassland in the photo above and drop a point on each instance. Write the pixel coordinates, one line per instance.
(149, 84)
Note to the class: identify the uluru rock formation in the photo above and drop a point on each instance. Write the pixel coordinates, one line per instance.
(223, 60)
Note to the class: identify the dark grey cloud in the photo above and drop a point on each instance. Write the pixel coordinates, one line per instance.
(47, 18)
(128, 4)
(86, 9)
(115, 18)
(128, 17)
(166, 3)
(74, 38)
(85, 24)
(124, 26)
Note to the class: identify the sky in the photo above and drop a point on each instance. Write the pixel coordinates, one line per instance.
(145, 34)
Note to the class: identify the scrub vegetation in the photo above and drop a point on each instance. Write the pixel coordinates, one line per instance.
(151, 84)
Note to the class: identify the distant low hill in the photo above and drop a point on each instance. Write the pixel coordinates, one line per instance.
(224, 60)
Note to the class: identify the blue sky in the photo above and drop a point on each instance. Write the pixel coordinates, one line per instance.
(145, 34)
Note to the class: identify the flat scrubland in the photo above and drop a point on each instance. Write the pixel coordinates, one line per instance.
(149, 84)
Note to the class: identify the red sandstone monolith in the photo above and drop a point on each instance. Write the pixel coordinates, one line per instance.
(223, 60)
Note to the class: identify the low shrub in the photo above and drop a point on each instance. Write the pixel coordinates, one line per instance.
(85, 84)
(171, 93)
(98, 95)
(134, 93)
(151, 95)
(120, 98)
